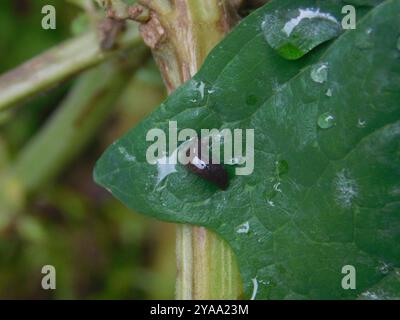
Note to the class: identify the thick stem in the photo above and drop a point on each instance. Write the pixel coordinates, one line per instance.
(58, 64)
(181, 33)
(206, 266)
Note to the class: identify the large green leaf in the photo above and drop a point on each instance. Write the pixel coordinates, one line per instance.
(325, 191)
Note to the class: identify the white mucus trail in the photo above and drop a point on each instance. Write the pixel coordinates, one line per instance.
(255, 288)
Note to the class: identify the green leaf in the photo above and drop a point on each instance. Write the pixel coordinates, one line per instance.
(325, 191)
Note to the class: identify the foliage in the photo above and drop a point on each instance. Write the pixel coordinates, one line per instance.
(325, 188)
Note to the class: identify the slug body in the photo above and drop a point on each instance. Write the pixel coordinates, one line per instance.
(212, 172)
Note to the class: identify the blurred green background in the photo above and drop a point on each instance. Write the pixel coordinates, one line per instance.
(100, 249)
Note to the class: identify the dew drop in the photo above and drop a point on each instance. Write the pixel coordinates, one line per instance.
(319, 73)
(243, 228)
(361, 123)
(326, 120)
(277, 187)
(368, 295)
(236, 160)
(271, 203)
(328, 93)
(384, 268)
(295, 32)
(200, 87)
(306, 14)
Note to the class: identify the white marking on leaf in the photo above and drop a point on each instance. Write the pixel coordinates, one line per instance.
(346, 188)
(126, 154)
(255, 288)
(165, 167)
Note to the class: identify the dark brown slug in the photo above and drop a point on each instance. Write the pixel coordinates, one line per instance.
(212, 172)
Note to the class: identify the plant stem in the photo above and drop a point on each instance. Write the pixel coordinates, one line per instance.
(207, 267)
(181, 33)
(58, 64)
(87, 106)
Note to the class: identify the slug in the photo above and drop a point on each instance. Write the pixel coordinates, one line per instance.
(212, 172)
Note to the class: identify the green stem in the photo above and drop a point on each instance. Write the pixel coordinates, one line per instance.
(58, 64)
(87, 106)
(181, 33)
(207, 267)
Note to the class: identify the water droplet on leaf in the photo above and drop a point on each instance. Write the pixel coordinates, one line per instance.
(236, 160)
(361, 123)
(329, 93)
(243, 228)
(326, 120)
(294, 33)
(384, 268)
(200, 88)
(277, 187)
(271, 203)
(319, 73)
